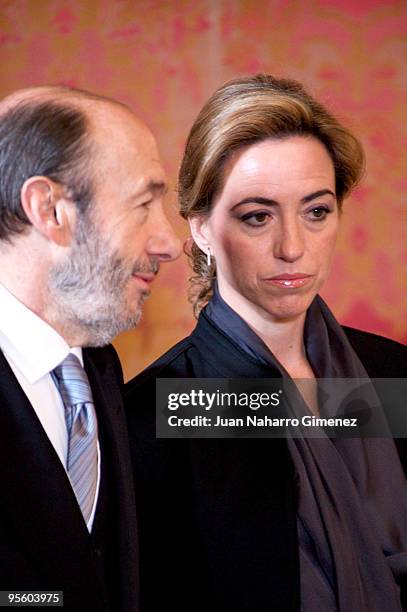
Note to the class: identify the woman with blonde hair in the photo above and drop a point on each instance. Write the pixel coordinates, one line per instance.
(289, 524)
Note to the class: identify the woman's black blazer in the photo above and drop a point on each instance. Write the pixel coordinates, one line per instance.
(217, 518)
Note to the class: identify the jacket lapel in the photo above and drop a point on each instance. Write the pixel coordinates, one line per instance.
(245, 497)
(104, 372)
(39, 500)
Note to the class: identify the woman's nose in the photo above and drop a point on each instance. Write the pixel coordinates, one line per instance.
(289, 242)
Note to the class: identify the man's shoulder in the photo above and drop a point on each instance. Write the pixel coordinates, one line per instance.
(382, 357)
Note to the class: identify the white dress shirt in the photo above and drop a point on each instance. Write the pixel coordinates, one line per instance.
(33, 349)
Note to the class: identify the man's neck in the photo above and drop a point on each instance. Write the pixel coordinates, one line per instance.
(24, 272)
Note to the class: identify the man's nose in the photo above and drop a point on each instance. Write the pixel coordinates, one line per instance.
(164, 243)
(289, 242)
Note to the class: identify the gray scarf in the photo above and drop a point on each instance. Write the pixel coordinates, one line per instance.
(352, 511)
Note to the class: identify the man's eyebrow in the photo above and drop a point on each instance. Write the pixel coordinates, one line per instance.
(153, 189)
(271, 202)
(157, 187)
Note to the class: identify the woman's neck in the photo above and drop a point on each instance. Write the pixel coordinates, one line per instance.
(283, 337)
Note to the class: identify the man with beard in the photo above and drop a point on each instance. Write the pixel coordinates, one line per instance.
(82, 235)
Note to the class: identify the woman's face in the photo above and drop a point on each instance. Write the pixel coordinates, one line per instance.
(273, 227)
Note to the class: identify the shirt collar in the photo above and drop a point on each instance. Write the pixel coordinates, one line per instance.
(33, 346)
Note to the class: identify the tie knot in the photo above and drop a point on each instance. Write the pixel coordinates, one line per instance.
(72, 381)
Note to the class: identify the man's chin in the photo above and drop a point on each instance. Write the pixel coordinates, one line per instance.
(101, 332)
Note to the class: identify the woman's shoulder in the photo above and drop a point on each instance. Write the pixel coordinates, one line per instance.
(382, 357)
(176, 362)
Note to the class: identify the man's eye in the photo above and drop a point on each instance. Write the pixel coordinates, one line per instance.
(255, 219)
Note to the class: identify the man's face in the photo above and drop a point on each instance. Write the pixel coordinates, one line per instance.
(100, 286)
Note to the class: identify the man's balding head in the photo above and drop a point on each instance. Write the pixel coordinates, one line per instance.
(46, 131)
(54, 93)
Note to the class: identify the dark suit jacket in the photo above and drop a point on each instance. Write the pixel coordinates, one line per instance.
(217, 518)
(44, 542)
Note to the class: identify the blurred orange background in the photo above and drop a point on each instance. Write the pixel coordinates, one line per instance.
(164, 58)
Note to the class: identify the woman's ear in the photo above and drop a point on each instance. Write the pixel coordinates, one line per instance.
(200, 231)
(48, 209)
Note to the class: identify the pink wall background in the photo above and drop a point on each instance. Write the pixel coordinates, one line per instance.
(164, 58)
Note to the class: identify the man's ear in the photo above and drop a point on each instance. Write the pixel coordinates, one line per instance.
(49, 209)
(200, 231)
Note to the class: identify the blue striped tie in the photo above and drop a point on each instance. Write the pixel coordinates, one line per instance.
(81, 424)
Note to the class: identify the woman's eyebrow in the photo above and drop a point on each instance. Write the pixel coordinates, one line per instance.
(256, 200)
(317, 194)
(270, 202)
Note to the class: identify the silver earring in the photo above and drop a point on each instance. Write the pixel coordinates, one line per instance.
(208, 257)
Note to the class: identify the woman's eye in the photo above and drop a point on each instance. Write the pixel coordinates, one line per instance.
(319, 213)
(255, 218)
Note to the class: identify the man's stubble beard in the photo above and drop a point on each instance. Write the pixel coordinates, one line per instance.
(88, 288)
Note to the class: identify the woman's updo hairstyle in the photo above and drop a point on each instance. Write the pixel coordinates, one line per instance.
(243, 112)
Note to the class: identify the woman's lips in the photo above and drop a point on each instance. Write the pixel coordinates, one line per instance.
(289, 281)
